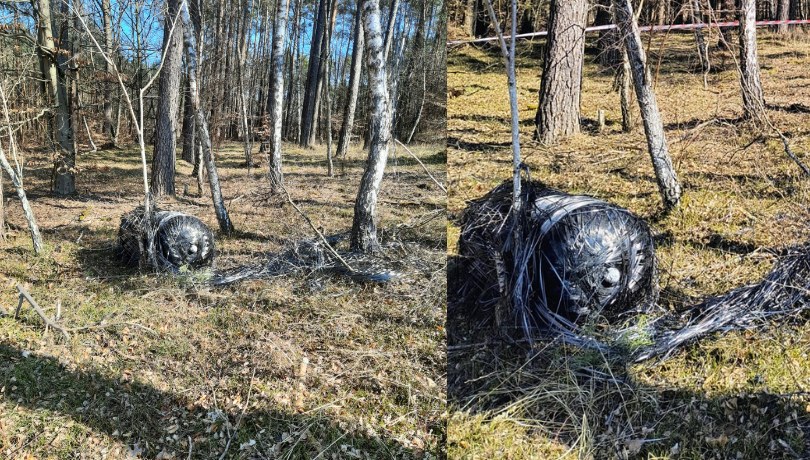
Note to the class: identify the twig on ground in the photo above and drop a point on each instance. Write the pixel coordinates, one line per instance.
(24, 295)
(790, 153)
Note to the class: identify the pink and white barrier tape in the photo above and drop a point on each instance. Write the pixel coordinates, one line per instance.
(641, 28)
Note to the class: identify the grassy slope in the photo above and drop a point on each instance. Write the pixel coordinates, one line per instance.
(742, 197)
(221, 361)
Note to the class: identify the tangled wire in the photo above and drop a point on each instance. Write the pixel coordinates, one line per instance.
(174, 242)
(171, 239)
(584, 271)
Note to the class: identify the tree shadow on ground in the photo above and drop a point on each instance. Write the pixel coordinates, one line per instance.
(135, 413)
(477, 146)
(565, 393)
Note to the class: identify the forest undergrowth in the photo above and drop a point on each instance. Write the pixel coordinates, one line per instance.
(735, 395)
(303, 367)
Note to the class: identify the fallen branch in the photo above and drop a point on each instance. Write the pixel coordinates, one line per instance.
(422, 165)
(790, 153)
(24, 295)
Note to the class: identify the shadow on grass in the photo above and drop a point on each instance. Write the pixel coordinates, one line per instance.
(477, 146)
(122, 406)
(565, 394)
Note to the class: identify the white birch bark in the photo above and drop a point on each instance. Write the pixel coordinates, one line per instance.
(224, 220)
(364, 229)
(668, 184)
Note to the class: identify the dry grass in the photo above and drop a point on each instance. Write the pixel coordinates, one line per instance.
(740, 395)
(225, 363)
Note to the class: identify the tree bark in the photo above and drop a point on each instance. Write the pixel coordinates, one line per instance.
(469, 17)
(558, 111)
(243, 99)
(2, 212)
(107, 128)
(190, 41)
(364, 229)
(354, 86)
(327, 68)
(16, 181)
(276, 100)
(389, 34)
(668, 184)
(782, 14)
(164, 157)
(65, 166)
(309, 114)
(188, 126)
(752, 96)
(700, 42)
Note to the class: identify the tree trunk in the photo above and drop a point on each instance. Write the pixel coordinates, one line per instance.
(727, 14)
(65, 166)
(309, 114)
(561, 83)
(469, 17)
(243, 99)
(188, 126)
(107, 128)
(164, 158)
(364, 229)
(625, 93)
(418, 58)
(782, 14)
(224, 220)
(276, 100)
(700, 42)
(389, 34)
(327, 67)
(16, 181)
(753, 99)
(609, 43)
(354, 86)
(2, 212)
(668, 184)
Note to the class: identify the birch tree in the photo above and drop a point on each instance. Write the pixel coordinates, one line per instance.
(16, 178)
(752, 96)
(190, 41)
(276, 99)
(354, 86)
(364, 229)
(668, 184)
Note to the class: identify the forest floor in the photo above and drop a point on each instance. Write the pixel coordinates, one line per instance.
(733, 395)
(165, 367)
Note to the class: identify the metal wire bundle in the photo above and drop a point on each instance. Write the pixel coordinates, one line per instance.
(570, 263)
(309, 256)
(565, 261)
(783, 292)
(177, 240)
(182, 241)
